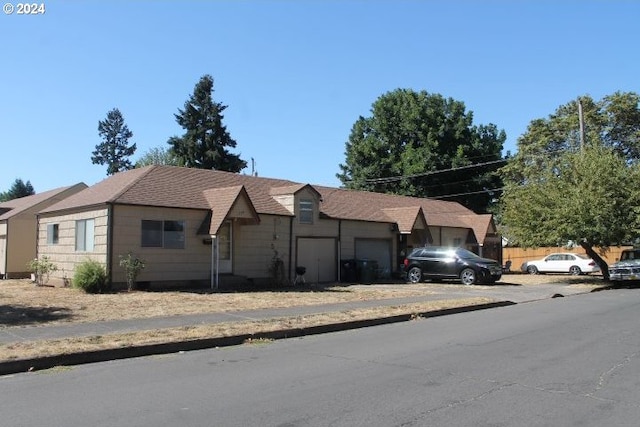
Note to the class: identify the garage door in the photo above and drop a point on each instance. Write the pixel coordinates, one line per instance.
(378, 250)
(318, 256)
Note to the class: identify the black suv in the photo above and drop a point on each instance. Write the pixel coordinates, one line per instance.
(434, 262)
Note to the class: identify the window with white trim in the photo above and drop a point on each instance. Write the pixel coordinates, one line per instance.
(306, 211)
(162, 234)
(85, 234)
(53, 234)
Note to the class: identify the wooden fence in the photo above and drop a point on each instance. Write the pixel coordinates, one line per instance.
(520, 255)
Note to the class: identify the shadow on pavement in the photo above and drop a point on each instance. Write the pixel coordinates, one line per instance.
(20, 315)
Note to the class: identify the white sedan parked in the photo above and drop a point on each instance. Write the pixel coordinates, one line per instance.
(574, 264)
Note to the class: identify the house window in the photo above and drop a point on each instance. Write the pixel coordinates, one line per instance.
(52, 234)
(306, 212)
(162, 234)
(85, 235)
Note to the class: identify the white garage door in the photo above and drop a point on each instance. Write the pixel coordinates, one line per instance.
(318, 256)
(378, 250)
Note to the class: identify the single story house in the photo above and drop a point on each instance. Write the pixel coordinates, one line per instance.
(195, 226)
(18, 228)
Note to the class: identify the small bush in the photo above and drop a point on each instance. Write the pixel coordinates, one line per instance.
(41, 268)
(132, 266)
(91, 277)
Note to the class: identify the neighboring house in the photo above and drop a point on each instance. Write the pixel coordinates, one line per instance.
(18, 227)
(194, 226)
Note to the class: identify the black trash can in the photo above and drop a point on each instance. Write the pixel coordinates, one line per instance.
(367, 270)
(348, 271)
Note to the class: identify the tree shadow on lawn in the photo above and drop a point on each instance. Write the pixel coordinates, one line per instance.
(20, 315)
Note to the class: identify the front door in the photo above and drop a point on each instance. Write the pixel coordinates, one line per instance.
(225, 246)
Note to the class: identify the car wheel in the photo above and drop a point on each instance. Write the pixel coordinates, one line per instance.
(468, 276)
(532, 269)
(575, 270)
(414, 275)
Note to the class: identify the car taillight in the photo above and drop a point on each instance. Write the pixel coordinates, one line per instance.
(406, 262)
(592, 263)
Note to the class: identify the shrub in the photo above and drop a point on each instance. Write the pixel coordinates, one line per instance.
(41, 268)
(91, 277)
(132, 266)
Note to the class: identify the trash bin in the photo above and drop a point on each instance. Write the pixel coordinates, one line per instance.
(348, 271)
(367, 270)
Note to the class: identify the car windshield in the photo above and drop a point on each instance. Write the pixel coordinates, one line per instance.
(582, 256)
(465, 254)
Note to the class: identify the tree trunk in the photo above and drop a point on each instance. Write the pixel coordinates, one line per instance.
(604, 267)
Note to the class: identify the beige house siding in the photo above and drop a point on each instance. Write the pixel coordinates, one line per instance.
(22, 248)
(193, 263)
(255, 245)
(64, 253)
(445, 236)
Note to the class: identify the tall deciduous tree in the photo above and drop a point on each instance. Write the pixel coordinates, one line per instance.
(424, 145)
(562, 188)
(18, 189)
(158, 156)
(114, 150)
(204, 144)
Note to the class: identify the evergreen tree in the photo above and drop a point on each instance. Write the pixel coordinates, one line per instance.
(204, 144)
(17, 190)
(114, 150)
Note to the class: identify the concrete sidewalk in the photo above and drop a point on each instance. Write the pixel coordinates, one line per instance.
(502, 296)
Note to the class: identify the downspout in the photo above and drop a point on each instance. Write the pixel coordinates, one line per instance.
(109, 243)
(212, 262)
(217, 263)
(339, 260)
(290, 246)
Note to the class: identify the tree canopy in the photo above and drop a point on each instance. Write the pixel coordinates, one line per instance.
(114, 150)
(559, 189)
(158, 156)
(18, 189)
(424, 145)
(205, 141)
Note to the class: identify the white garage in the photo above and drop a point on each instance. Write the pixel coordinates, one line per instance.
(318, 256)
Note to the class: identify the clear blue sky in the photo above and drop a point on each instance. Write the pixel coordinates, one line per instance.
(295, 75)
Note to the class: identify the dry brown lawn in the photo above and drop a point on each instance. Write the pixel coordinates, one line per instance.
(22, 304)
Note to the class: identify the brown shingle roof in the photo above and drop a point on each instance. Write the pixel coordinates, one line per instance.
(480, 224)
(176, 187)
(405, 217)
(221, 200)
(367, 206)
(171, 186)
(21, 204)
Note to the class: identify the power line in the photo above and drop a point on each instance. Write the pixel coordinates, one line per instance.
(491, 190)
(401, 177)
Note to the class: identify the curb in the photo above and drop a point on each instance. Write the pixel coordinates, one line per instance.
(80, 358)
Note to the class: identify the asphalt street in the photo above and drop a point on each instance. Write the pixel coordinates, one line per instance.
(563, 361)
